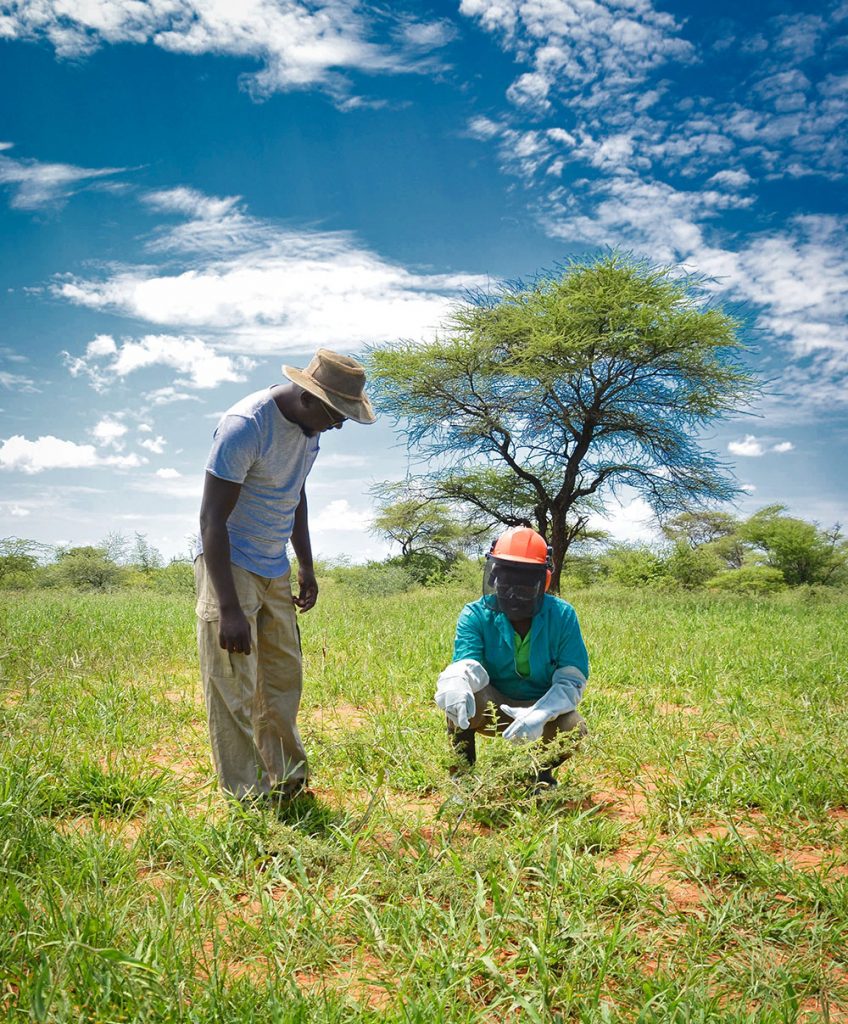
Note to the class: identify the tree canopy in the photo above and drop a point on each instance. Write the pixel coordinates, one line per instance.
(802, 551)
(536, 401)
(419, 523)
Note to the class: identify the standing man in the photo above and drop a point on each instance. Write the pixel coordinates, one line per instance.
(254, 503)
(519, 662)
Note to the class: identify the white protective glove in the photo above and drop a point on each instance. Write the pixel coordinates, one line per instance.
(455, 689)
(563, 696)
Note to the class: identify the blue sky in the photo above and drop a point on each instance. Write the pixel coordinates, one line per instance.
(195, 191)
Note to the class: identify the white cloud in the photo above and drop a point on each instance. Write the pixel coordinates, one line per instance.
(800, 279)
(182, 488)
(154, 444)
(649, 216)
(748, 488)
(169, 395)
(794, 281)
(584, 50)
(337, 460)
(732, 178)
(17, 382)
(198, 363)
(38, 184)
(17, 511)
(49, 452)
(749, 447)
(783, 446)
(191, 203)
(631, 521)
(339, 515)
(484, 128)
(167, 473)
(298, 45)
(102, 345)
(262, 288)
(108, 432)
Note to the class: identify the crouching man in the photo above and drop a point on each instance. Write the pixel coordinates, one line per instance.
(519, 662)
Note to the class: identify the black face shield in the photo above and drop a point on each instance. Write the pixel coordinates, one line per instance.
(514, 588)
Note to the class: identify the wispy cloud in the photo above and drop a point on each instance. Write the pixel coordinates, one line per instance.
(254, 286)
(17, 382)
(299, 45)
(35, 185)
(49, 452)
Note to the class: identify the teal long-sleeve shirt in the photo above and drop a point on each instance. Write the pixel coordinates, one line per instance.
(487, 636)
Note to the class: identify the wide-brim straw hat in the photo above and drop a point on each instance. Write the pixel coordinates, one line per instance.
(337, 380)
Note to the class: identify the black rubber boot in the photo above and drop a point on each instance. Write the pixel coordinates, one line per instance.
(464, 746)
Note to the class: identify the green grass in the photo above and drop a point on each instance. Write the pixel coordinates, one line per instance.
(692, 867)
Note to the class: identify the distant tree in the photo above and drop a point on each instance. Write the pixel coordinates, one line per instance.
(634, 565)
(583, 564)
(145, 556)
(18, 561)
(749, 579)
(177, 577)
(731, 550)
(540, 397)
(115, 547)
(86, 568)
(692, 566)
(703, 526)
(714, 533)
(420, 524)
(802, 551)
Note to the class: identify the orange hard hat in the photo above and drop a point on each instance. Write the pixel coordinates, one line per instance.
(521, 544)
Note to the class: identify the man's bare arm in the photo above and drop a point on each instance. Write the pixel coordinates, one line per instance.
(307, 584)
(219, 500)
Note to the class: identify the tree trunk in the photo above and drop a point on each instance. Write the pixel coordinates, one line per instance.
(559, 543)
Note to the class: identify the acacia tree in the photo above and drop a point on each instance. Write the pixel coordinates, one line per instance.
(802, 551)
(704, 526)
(419, 523)
(542, 398)
(711, 532)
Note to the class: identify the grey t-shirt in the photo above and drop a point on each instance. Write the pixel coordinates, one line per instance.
(256, 446)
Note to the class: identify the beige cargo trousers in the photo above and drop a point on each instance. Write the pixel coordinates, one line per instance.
(252, 699)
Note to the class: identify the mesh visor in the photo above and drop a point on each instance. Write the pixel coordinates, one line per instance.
(514, 588)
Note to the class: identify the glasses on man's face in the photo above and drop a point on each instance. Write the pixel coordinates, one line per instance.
(334, 418)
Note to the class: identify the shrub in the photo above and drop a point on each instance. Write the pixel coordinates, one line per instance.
(692, 567)
(374, 579)
(634, 566)
(175, 578)
(580, 570)
(750, 579)
(84, 568)
(465, 574)
(421, 566)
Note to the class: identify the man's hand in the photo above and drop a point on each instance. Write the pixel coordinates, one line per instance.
(527, 724)
(234, 631)
(458, 705)
(308, 587)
